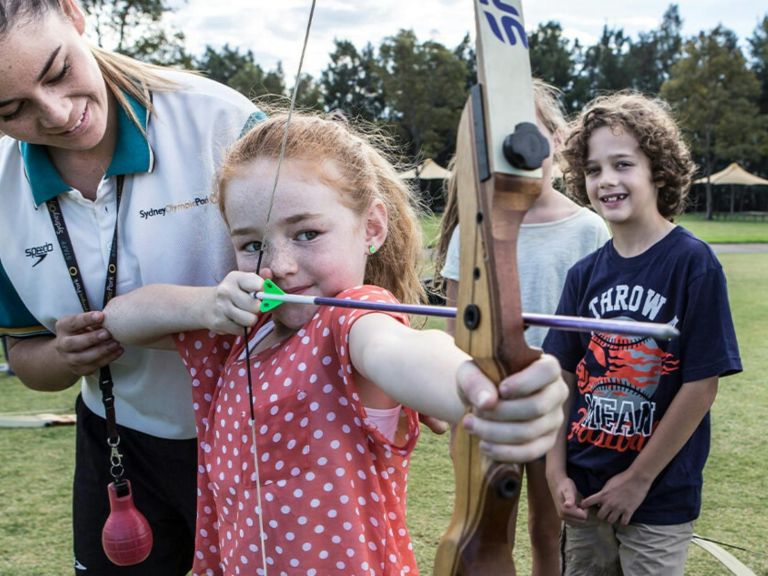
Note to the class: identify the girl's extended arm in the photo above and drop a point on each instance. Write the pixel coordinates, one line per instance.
(148, 315)
(420, 369)
(415, 368)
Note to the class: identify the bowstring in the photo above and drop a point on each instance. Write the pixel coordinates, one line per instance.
(251, 397)
(291, 107)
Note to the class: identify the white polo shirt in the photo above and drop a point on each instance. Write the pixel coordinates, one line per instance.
(170, 231)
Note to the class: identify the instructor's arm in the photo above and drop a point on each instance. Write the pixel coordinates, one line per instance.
(51, 363)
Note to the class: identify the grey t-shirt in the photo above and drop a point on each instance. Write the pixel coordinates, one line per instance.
(545, 252)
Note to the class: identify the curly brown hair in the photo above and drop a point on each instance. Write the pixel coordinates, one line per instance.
(650, 121)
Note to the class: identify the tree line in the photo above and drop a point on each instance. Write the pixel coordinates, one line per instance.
(415, 90)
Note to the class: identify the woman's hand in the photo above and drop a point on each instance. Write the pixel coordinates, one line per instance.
(519, 421)
(83, 343)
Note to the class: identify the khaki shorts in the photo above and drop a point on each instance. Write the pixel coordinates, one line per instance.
(597, 548)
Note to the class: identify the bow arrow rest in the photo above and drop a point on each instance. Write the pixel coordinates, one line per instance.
(272, 296)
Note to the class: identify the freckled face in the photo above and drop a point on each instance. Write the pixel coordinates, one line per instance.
(618, 177)
(51, 89)
(314, 243)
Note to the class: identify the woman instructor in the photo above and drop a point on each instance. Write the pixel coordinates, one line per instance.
(106, 168)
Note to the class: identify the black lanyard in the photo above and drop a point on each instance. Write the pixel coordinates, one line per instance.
(105, 375)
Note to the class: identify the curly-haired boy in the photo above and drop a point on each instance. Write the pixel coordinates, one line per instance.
(627, 475)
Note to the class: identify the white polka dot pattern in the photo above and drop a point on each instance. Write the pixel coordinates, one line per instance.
(333, 488)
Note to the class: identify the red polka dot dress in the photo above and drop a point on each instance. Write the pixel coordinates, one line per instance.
(333, 488)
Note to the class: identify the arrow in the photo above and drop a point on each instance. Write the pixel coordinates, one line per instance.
(272, 296)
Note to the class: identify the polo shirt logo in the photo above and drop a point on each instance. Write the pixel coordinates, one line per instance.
(171, 208)
(146, 214)
(39, 252)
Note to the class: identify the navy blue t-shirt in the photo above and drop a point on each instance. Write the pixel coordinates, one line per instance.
(626, 383)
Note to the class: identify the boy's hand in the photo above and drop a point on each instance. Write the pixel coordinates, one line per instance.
(567, 501)
(619, 498)
(519, 421)
(233, 305)
(84, 344)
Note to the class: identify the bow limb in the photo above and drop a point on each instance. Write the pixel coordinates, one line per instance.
(493, 196)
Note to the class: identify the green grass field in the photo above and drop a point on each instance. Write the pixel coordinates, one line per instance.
(725, 231)
(36, 463)
(712, 231)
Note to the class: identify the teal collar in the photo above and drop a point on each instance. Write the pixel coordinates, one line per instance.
(132, 154)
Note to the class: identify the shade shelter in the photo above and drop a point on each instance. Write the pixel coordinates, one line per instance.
(735, 175)
(429, 177)
(428, 170)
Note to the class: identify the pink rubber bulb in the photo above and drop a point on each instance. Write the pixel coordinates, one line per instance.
(126, 537)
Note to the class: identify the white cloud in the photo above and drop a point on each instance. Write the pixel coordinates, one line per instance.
(274, 30)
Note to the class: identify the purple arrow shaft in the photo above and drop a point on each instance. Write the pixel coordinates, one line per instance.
(567, 323)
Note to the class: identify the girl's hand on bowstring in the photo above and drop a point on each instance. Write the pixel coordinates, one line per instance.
(519, 420)
(234, 305)
(84, 344)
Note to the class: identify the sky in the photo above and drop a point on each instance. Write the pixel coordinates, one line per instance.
(274, 30)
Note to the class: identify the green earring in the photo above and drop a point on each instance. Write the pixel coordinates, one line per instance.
(372, 249)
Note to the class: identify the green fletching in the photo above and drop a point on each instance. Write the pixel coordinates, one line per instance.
(268, 305)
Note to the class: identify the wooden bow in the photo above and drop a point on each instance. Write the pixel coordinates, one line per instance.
(498, 152)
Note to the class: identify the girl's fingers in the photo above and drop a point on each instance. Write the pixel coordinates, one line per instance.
(546, 401)
(542, 373)
(475, 389)
(250, 283)
(513, 432)
(246, 301)
(519, 452)
(239, 318)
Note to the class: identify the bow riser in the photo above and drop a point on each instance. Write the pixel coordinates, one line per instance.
(493, 197)
(512, 196)
(495, 340)
(494, 193)
(486, 492)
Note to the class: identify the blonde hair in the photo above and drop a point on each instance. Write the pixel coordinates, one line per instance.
(549, 107)
(549, 110)
(650, 121)
(366, 175)
(124, 75)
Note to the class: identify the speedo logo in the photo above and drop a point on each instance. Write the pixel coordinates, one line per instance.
(171, 208)
(39, 252)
